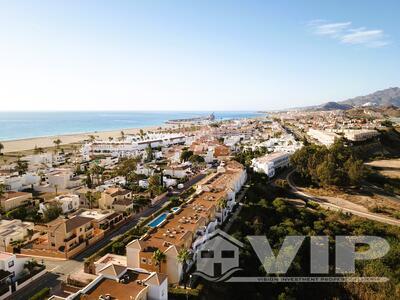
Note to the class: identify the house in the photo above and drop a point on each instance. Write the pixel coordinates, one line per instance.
(10, 263)
(14, 230)
(66, 237)
(62, 179)
(68, 203)
(113, 194)
(83, 201)
(103, 219)
(15, 182)
(123, 205)
(11, 200)
(177, 171)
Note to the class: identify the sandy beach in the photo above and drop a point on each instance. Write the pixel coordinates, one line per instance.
(31, 143)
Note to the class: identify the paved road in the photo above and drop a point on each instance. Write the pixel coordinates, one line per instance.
(338, 204)
(58, 269)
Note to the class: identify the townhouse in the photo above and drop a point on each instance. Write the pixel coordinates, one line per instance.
(189, 227)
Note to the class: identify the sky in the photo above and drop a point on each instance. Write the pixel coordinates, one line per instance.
(194, 55)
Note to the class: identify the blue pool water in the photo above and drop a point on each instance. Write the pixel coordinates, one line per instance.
(175, 209)
(157, 221)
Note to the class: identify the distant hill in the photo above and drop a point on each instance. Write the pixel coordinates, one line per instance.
(388, 97)
(334, 106)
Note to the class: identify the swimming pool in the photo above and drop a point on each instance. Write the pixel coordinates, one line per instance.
(157, 221)
(175, 209)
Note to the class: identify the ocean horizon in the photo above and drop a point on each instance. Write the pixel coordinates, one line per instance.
(23, 125)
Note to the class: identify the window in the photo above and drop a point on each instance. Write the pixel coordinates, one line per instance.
(11, 264)
(227, 254)
(149, 262)
(207, 254)
(144, 260)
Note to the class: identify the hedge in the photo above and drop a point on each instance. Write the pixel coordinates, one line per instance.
(42, 294)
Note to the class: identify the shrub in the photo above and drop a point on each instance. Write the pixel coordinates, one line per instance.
(42, 294)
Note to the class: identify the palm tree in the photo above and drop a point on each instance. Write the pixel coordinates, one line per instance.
(2, 190)
(38, 150)
(184, 256)
(159, 257)
(21, 167)
(57, 142)
(122, 135)
(222, 203)
(91, 198)
(92, 138)
(1, 148)
(56, 189)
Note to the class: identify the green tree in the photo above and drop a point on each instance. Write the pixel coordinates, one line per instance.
(127, 166)
(57, 142)
(118, 248)
(2, 190)
(155, 187)
(185, 155)
(149, 153)
(196, 159)
(53, 211)
(159, 257)
(184, 256)
(21, 167)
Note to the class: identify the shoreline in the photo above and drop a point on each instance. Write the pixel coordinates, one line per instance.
(26, 144)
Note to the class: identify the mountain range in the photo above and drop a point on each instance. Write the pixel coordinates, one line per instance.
(387, 97)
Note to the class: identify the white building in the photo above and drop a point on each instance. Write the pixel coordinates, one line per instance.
(19, 182)
(62, 179)
(68, 202)
(13, 230)
(358, 135)
(131, 145)
(269, 163)
(10, 263)
(324, 137)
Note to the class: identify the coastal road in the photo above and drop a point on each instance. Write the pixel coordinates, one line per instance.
(339, 204)
(58, 269)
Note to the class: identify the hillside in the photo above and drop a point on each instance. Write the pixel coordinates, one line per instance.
(387, 97)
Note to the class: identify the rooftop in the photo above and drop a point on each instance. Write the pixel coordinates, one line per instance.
(118, 290)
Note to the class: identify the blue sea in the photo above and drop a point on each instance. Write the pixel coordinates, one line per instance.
(19, 125)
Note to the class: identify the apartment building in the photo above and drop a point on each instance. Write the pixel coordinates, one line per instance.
(11, 200)
(190, 226)
(268, 164)
(359, 135)
(322, 136)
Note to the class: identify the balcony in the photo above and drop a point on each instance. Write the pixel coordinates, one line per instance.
(70, 238)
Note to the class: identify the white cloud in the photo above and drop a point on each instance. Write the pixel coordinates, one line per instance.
(343, 32)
